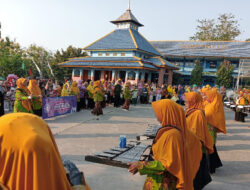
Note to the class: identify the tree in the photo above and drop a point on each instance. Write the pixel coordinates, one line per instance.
(225, 28)
(11, 58)
(248, 39)
(62, 56)
(38, 59)
(196, 74)
(225, 74)
(206, 30)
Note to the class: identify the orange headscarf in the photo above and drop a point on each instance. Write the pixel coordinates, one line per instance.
(203, 93)
(20, 84)
(97, 86)
(195, 100)
(34, 88)
(178, 149)
(29, 156)
(196, 120)
(214, 111)
(74, 87)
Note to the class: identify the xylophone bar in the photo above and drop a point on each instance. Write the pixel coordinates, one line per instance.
(120, 157)
(150, 132)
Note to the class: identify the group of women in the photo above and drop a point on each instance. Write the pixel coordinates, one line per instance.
(183, 143)
(179, 151)
(28, 97)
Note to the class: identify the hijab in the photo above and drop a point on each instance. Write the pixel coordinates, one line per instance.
(196, 120)
(65, 91)
(178, 149)
(29, 159)
(20, 85)
(214, 110)
(34, 88)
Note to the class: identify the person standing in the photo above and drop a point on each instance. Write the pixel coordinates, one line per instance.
(65, 90)
(98, 98)
(37, 97)
(127, 96)
(134, 95)
(215, 116)
(90, 90)
(23, 97)
(117, 93)
(197, 123)
(176, 152)
(74, 91)
(29, 156)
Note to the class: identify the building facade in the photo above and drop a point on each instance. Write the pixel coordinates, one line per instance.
(122, 54)
(210, 54)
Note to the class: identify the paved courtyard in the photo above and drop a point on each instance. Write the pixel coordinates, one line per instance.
(81, 134)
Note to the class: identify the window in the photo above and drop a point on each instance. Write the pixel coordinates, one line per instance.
(99, 54)
(123, 54)
(131, 75)
(107, 54)
(212, 65)
(189, 64)
(180, 64)
(76, 73)
(114, 54)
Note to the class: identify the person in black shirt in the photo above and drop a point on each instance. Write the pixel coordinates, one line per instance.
(117, 94)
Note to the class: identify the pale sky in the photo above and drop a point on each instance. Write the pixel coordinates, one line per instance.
(56, 24)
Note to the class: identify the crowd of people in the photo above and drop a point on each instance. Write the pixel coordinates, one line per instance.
(26, 95)
(183, 153)
(184, 150)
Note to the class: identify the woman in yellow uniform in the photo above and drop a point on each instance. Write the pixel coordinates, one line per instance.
(23, 97)
(176, 151)
(74, 91)
(37, 97)
(98, 98)
(30, 159)
(215, 115)
(197, 123)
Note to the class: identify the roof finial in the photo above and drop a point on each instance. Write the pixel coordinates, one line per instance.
(129, 5)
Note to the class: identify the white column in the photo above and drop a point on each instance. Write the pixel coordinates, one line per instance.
(92, 75)
(118, 74)
(113, 75)
(126, 76)
(81, 73)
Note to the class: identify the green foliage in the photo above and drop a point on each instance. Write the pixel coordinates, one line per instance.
(15, 60)
(10, 58)
(62, 56)
(248, 39)
(225, 74)
(196, 75)
(40, 56)
(225, 28)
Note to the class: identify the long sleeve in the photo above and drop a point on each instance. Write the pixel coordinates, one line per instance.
(20, 96)
(149, 168)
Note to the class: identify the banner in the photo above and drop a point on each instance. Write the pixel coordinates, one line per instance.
(59, 106)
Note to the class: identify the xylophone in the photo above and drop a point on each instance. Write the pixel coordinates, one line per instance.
(121, 157)
(233, 106)
(150, 132)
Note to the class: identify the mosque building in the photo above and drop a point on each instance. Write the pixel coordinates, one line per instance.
(125, 54)
(122, 54)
